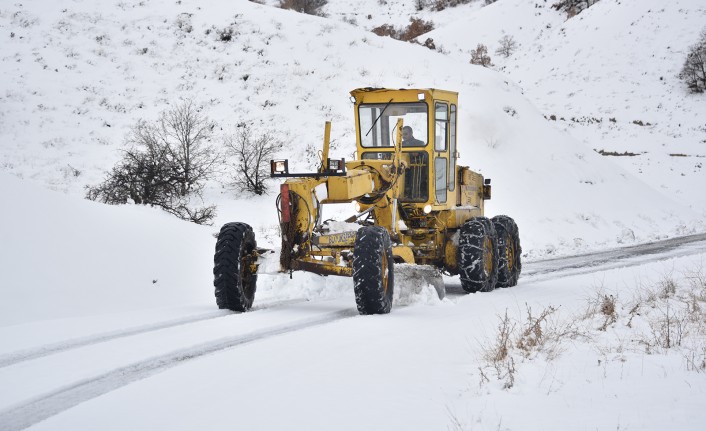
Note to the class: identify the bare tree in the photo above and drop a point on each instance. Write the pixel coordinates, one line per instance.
(694, 70)
(480, 56)
(253, 156)
(507, 46)
(165, 165)
(186, 133)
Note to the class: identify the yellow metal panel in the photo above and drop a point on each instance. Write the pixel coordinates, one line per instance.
(355, 183)
(403, 252)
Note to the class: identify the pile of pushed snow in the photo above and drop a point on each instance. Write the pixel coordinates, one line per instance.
(81, 74)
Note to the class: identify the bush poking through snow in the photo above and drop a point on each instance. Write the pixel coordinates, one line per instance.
(311, 7)
(693, 73)
(480, 56)
(573, 7)
(253, 155)
(668, 315)
(507, 46)
(439, 5)
(165, 165)
(416, 28)
(516, 341)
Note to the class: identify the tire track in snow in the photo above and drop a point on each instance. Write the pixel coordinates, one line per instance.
(616, 258)
(49, 349)
(567, 266)
(38, 409)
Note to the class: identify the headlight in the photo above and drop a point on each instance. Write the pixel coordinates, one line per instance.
(427, 209)
(279, 166)
(358, 208)
(336, 165)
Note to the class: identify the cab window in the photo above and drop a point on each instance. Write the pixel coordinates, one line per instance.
(441, 126)
(378, 122)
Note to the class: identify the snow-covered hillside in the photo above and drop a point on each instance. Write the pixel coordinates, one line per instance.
(609, 76)
(77, 76)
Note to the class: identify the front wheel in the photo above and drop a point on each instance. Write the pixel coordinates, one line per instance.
(478, 255)
(235, 267)
(373, 270)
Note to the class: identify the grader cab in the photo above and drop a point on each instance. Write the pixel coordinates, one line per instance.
(413, 203)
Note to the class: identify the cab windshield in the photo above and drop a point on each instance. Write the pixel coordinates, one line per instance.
(378, 123)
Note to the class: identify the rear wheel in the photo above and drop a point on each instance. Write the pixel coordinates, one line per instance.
(373, 270)
(509, 251)
(235, 267)
(478, 255)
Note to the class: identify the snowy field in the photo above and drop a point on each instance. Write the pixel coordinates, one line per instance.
(107, 315)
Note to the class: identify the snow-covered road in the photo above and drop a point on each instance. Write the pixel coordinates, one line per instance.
(71, 380)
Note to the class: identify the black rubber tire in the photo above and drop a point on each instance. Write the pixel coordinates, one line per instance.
(509, 251)
(373, 270)
(233, 279)
(478, 255)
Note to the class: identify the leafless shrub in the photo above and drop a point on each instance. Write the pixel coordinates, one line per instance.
(416, 28)
(225, 34)
(537, 333)
(183, 22)
(670, 326)
(532, 335)
(604, 306)
(165, 165)
(502, 343)
(508, 45)
(253, 155)
(573, 7)
(696, 359)
(429, 43)
(386, 30)
(696, 279)
(693, 72)
(311, 7)
(667, 287)
(439, 5)
(480, 56)
(543, 333)
(496, 355)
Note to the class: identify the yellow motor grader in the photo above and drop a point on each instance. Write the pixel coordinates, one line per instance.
(414, 205)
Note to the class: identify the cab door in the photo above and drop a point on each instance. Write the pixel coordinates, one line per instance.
(441, 151)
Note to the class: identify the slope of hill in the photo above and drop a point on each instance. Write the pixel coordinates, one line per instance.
(609, 76)
(78, 75)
